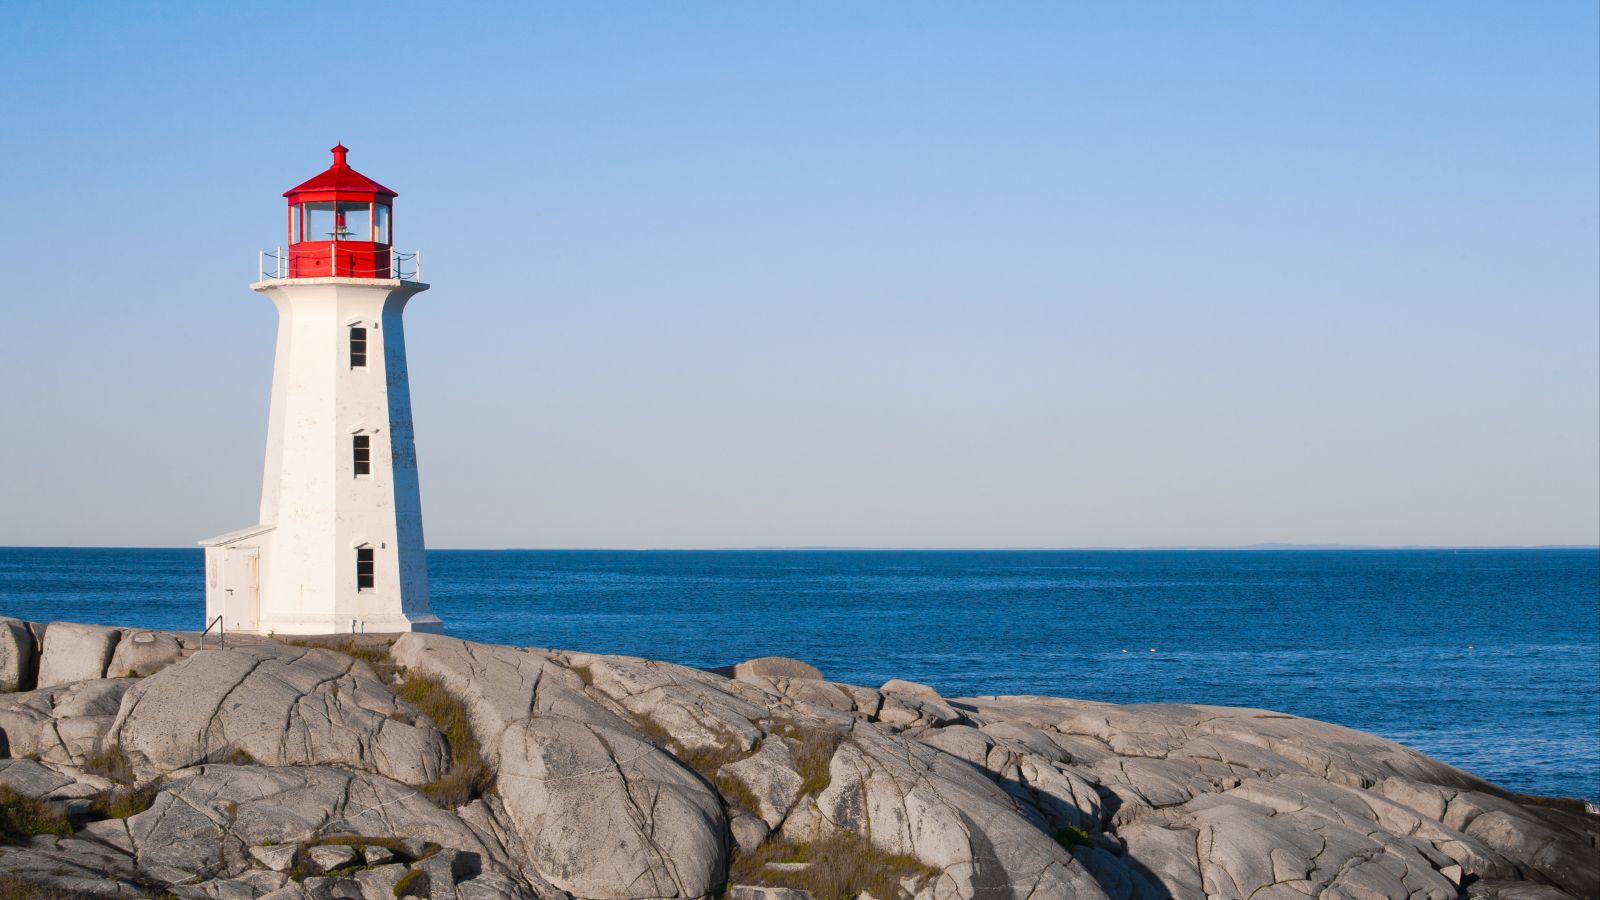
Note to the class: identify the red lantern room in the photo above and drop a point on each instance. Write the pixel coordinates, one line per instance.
(339, 224)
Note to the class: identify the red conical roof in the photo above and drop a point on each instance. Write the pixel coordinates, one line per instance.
(342, 179)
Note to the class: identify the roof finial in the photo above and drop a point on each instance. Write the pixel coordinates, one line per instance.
(339, 150)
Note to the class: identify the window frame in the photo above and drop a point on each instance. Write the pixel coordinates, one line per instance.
(366, 569)
(365, 341)
(361, 454)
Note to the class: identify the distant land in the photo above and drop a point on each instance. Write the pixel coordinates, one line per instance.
(825, 547)
(1197, 547)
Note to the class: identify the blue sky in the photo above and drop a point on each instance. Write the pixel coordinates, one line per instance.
(832, 274)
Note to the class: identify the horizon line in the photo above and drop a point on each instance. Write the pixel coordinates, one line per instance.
(1265, 547)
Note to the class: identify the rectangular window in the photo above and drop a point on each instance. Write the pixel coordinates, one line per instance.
(364, 569)
(362, 443)
(358, 348)
(380, 223)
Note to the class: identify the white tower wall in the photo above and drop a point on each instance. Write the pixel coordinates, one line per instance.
(316, 512)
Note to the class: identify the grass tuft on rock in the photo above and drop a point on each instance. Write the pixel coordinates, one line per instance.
(122, 802)
(707, 762)
(841, 866)
(374, 653)
(1068, 837)
(22, 817)
(468, 777)
(735, 794)
(111, 763)
(413, 884)
(813, 756)
(361, 842)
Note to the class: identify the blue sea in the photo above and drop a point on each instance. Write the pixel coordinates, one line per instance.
(1486, 659)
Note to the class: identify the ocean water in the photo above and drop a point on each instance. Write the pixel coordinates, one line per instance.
(1486, 659)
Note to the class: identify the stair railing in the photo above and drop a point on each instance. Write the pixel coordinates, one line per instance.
(222, 639)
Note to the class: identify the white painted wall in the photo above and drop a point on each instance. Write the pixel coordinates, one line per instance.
(319, 510)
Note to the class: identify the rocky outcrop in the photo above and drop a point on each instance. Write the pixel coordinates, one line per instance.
(278, 706)
(141, 653)
(270, 770)
(74, 652)
(63, 725)
(226, 830)
(19, 657)
(776, 667)
(909, 798)
(605, 814)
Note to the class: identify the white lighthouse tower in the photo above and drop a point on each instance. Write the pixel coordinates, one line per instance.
(339, 544)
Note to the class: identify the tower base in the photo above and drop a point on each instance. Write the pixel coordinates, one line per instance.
(240, 593)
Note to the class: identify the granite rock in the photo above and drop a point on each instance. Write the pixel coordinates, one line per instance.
(19, 657)
(279, 706)
(62, 725)
(605, 814)
(776, 667)
(141, 653)
(608, 770)
(73, 652)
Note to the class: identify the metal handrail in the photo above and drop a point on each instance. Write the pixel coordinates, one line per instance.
(281, 261)
(222, 637)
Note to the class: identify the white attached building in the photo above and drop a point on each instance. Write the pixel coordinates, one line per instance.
(339, 544)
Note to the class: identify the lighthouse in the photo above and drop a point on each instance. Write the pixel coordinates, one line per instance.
(338, 547)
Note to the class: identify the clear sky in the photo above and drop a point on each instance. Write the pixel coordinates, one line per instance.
(882, 274)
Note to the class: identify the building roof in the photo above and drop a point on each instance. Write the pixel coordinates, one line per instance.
(341, 178)
(241, 534)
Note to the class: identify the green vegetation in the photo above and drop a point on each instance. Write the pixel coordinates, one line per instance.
(812, 755)
(839, 867)
(469, 777)
(123, 801)
(22, 817)
(413, 884)
(374, 652)
(734, 792)
(707, 762)
(1069, 837)
(111, 763)
(362, 842)
(301, 868)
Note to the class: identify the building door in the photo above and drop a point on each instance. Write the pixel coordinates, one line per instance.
(241, 580)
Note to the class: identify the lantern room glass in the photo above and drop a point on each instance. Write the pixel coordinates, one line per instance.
(352, 221)
(343, 220)
(317, 219)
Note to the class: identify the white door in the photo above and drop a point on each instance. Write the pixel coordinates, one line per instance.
(241, 580)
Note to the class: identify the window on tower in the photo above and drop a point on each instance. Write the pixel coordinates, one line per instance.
(362, 445)
(358, 347)
(365, 569)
